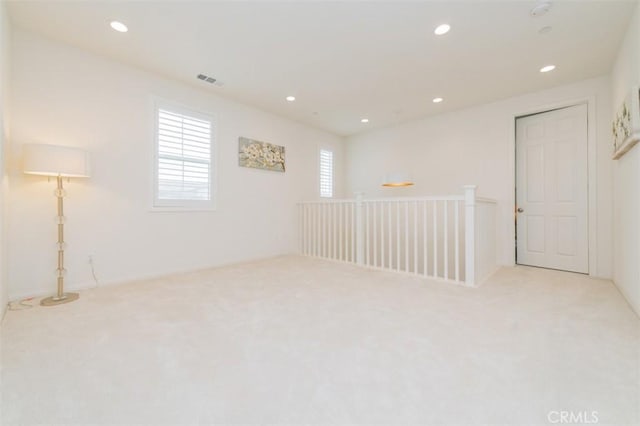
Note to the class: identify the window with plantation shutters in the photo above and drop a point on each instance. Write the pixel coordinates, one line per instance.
(326, 173)
(183, 158)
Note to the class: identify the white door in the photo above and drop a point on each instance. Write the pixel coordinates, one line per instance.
(551, 190)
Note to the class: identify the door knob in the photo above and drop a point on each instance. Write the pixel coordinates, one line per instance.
(520, 209)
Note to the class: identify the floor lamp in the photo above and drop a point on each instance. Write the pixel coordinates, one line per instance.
(59, 162)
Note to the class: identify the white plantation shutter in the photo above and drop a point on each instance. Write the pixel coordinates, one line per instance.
(326, 173)
(183, 162)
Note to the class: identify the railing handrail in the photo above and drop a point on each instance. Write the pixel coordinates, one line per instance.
(392, 199)
(486, 200)
(329, 201)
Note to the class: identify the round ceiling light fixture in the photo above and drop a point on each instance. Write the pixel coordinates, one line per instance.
(364, 120)
(437, 100)
(547, 68)
(442, 29)
(290, 98)
(119, 26)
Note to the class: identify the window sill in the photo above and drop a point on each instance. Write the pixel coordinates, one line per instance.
(181, 209)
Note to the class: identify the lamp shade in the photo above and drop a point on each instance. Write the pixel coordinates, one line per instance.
(397, 179)
(54, 160)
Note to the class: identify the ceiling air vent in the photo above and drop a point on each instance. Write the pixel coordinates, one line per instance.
(209, 80)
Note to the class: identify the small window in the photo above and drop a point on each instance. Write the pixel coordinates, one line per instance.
(326, 173)
(184, 146)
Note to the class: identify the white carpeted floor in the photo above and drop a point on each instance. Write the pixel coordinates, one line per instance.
(298, 340)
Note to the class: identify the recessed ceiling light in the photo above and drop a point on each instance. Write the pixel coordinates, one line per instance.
(364, 120)
(119, 26)
(547, 68)
(437, 100)
(442, 29)
(290, 98)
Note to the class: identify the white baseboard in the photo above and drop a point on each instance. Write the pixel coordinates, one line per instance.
(86, 285)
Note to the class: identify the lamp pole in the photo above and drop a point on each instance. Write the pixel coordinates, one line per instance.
(60, 297)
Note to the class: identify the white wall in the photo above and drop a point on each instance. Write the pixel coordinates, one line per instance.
(476, 146)
(63, 95)
(4, 130)
(626, 175)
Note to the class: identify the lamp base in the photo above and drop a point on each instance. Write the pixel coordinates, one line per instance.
(55, 300)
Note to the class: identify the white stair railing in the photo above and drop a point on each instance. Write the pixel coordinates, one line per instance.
(434, 237)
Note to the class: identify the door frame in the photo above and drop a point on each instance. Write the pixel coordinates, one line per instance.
(592, 218)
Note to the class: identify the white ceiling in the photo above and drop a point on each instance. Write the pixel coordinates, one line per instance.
(346, 60)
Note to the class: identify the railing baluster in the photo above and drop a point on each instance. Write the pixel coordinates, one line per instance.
(334, 213)
(325, 235)
(398, 236)
(415, 237)
(435, 239)
(340, 231)
(331, 240)
(353, 232)
(457, 237)
(406, 236)
(446, 240)
(374, 225)
(313, 240)
(347, 247)
(367, 243)
(360, 231)
(323, 231)
(320, 228)
(332, 222)
(300, 222)
(470, 235)
(329, 228)
(382, 234)
(425, 239)
(335, 230)
(347, 233)
(308, 230)
(303, 229)
(390, 238)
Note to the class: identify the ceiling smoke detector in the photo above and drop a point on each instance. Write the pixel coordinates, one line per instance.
(209, 80)
(540, 9)
(545, 30)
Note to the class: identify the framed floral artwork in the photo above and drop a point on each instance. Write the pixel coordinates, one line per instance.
(260, 155)
(626, 124)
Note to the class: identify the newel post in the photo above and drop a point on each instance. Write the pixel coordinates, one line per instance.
(470, 234)
(359, 229)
